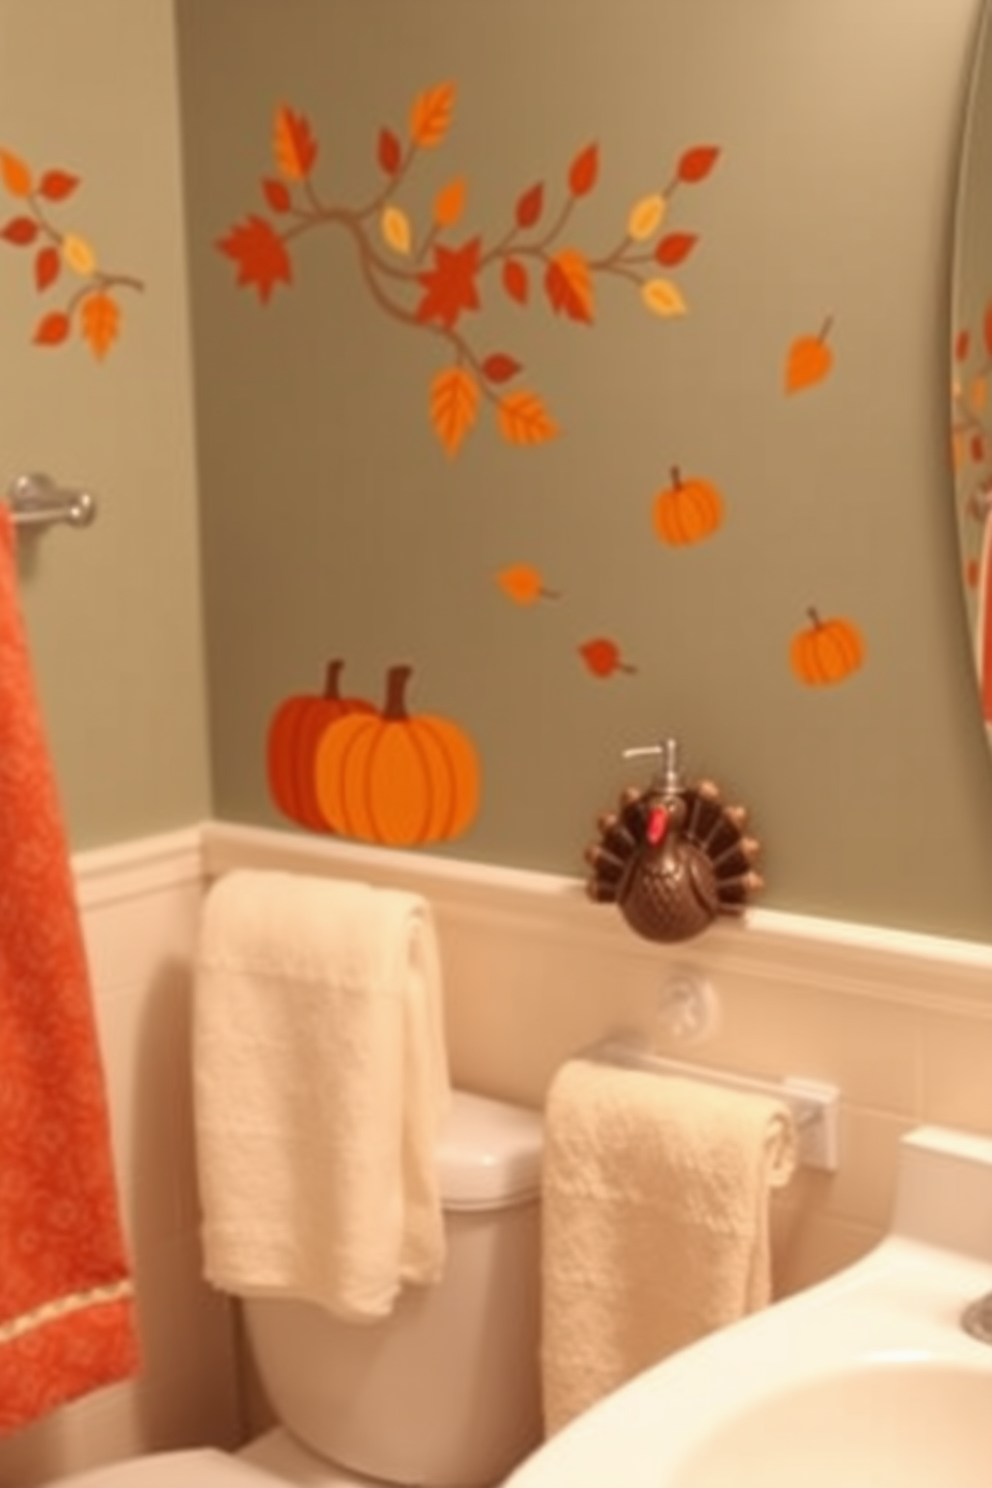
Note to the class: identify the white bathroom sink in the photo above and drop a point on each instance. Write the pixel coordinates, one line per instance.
(866, 1381)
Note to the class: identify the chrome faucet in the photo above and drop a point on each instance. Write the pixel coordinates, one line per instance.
(977, 1319)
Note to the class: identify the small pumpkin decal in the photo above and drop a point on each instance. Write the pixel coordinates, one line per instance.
(295, 731)
(397, 778)
(827, 651)
(687, 511)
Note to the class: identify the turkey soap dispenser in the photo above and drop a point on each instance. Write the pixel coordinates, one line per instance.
(672, 857)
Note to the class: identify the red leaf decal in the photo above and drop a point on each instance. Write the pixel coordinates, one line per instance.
(47, 266)
(584, 171)
(450, 287)
(260, 255)
(530, 206)
(500, 368)
(56, 185)
(516, 281)
(52, 329)
(697, 163)
(20, 230)
(675, 248)
(277, 194)
(390, 152)
(962, 346)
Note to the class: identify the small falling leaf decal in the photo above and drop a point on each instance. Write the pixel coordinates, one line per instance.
(663, 298)
(524, 584)
(293, 145)
(604, 658)
(810, 360)
(523, 419)
(396, 230)
(645, 217)
(454, 406)
(431, 115)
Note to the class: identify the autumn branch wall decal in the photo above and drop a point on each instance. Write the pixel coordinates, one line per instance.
(90, 307)
(430, 276)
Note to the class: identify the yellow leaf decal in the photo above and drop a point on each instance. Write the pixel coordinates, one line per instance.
(396, 230)
(645, 217)
(454, 406)
(78, 255)
(431, 114)
(450, 202)
(101, 322)
(15, 174)
(523, 419)
(662, 297)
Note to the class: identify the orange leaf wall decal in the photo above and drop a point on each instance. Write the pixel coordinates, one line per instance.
(584, 171)
(260, 255)
(293, 144)
(15, 175)
(57, 185)
(809, 361)
(101, 322)
(523, 419)
(697, 163)
(431, 115)
(569, 285)
(52, 329)
(524, 584)
(449, 203)
(454, 406)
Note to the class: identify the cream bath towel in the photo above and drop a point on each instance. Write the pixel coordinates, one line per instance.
(320, 1082)
(655, 1221)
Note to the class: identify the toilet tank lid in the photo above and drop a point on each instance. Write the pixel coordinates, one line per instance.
(489, 1152)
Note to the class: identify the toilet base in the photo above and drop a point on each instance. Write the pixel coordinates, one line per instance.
(278, 1453)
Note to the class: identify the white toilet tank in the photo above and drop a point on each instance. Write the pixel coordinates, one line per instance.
(445, 1393)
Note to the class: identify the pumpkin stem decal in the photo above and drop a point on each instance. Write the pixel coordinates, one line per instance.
(827, 651)
(397, 778)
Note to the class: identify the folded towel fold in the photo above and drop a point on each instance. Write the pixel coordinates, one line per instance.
(66, 1307)
(320, 1077)
(655, 1221)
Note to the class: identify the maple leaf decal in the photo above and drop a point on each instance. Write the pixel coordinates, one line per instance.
(451, 284)
(260, 254)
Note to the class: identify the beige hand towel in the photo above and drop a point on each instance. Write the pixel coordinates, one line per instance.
(320, 1083)
(655, 1223)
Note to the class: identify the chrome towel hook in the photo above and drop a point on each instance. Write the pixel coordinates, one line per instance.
(38, 501)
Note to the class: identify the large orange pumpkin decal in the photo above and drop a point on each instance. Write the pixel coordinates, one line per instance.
(296, 729)
(397, 778)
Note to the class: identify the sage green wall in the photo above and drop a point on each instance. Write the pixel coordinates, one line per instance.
(89, 87)
(335, 525)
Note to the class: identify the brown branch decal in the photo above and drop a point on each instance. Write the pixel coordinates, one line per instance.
(91, 308)
(422, 268)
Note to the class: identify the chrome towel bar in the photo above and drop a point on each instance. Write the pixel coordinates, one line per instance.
(37, 501)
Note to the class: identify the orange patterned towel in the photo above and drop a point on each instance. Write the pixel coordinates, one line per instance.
(66, 1310)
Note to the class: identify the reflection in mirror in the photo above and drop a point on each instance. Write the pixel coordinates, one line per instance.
(971, 310)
